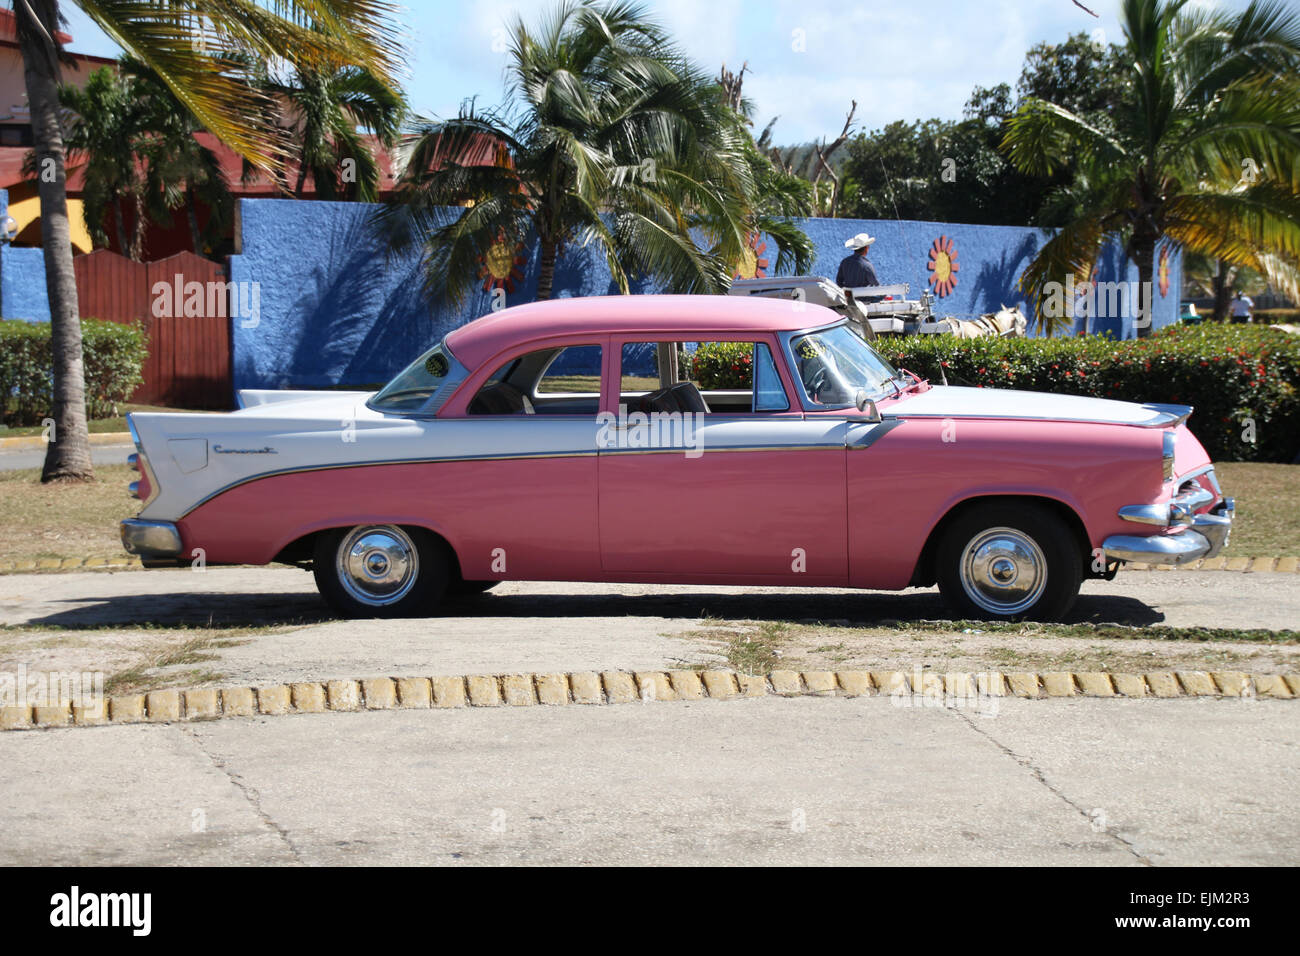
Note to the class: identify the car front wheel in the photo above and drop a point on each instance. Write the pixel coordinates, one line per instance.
(380, 570)
(1009, 562)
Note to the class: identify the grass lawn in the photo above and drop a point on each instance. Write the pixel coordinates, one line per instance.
(69, 520)
(101, 425)
(80, 520)
(1268, 508)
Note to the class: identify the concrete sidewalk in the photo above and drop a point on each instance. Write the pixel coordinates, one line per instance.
(768, 781)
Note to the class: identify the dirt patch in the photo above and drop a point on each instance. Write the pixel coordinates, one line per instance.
(759, 646)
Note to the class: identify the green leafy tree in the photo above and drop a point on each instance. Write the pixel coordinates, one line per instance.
(1201, 149)
(199, 49)
(106, 129)
(610, 136)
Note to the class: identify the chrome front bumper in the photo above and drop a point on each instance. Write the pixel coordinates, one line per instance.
(1202, 536)
(151, 540)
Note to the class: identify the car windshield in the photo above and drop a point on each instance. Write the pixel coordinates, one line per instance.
(835, 364)
(414, 386)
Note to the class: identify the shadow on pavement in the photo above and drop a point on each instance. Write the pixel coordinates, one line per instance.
(263, 610)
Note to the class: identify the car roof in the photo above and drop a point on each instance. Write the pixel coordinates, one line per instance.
(477, 341)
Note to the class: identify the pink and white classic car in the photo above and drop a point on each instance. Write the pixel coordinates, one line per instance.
(572, 441)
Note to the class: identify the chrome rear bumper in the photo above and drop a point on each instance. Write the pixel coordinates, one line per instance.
(151, 540)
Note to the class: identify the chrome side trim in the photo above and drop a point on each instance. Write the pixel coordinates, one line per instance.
(151, 539)
(1168, 441)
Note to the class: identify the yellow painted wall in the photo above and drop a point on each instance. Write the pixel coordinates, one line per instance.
(25, 209)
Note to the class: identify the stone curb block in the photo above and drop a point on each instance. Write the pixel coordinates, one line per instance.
(448, 691)
(553, 689)
(1058, 684)
(343, 695)
(1023, 685)
(518, 690)
(686, 685)
(1130, 685)
(163, 705)
(380, 693)
(414, 692)
(202, 704)
(586, 688)
(621, 687)
(1095, 684)
(1163, 685)
(854, 683)
(1197, 684)
(484, 691)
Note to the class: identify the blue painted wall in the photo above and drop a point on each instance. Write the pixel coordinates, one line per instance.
(22, 278)
(336, 310)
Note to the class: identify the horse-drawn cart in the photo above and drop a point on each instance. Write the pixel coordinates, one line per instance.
(882, 310)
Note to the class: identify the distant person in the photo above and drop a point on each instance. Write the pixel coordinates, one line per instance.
(856, 269)
(1240, 307)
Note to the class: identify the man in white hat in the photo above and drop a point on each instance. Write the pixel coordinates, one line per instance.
(856, 269)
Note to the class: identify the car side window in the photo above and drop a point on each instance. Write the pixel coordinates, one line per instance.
(554, 381)
(725, 378)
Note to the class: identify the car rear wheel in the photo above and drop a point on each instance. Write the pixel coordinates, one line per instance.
(1009, 562)
(380, 570)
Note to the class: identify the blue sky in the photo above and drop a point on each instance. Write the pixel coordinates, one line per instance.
(900, 60)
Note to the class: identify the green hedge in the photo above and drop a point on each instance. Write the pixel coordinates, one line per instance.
(723, 365)
(1234, 375)
(114, 355)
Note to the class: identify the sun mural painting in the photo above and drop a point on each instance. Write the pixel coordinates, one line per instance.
(943, 266)
(753, 263)
(501, 267)
(1163, 272)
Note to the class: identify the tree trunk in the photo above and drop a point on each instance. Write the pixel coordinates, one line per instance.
(546, 274)
(1144, 255)
(119, 225)
(1222, 290)
(68, 453)
(192, 215)
(137, 228)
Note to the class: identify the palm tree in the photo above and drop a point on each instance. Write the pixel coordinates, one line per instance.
(609, 136)
(104, 132)
(1201, 152)
(326, 107)
(195, 48)
(180, 171)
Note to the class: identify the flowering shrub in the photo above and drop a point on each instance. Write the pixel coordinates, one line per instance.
(1244, 381)
(723, 365)
(114, 356)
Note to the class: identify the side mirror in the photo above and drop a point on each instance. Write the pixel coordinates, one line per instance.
(867, 407)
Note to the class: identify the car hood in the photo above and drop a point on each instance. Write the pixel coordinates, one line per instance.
(950, 401)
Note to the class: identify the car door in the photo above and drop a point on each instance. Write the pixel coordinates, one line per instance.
(518, 480)
(720, 495)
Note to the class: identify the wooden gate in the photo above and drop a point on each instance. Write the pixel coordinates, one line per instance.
(187, 325)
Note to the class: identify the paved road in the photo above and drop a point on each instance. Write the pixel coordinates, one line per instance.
(770, 781)
(34, 458)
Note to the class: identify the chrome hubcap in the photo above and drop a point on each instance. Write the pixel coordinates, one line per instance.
(378, 565)
(1003, 571)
